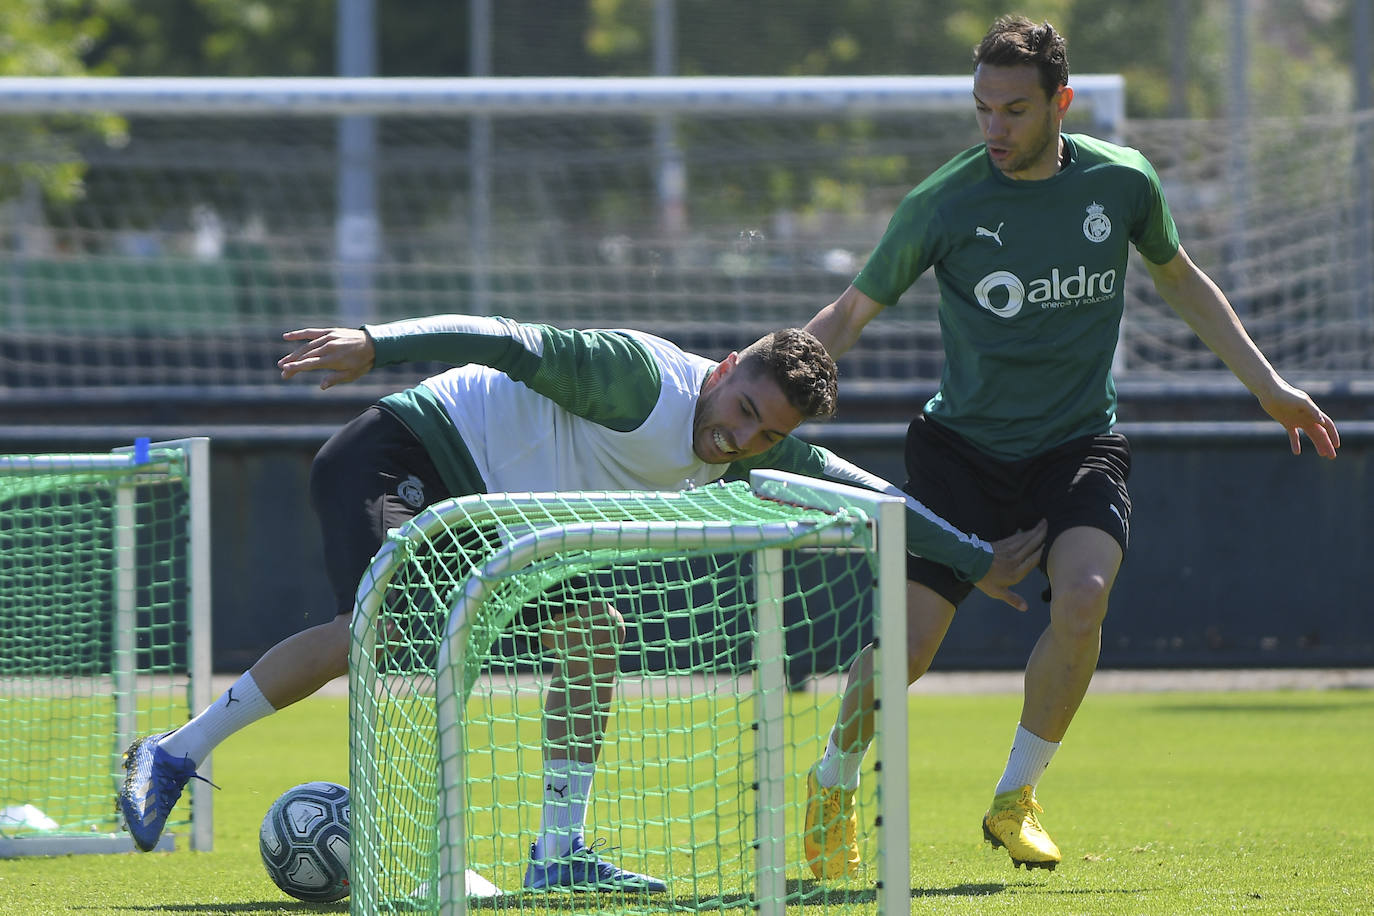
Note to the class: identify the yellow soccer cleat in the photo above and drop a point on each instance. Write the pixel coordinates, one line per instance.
(831, 841)
(1012, 822)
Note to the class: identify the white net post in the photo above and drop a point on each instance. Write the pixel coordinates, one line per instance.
(201, 656)
(889, 671)
(363, 753)
(890, 668)
(125, 622)
(199, 602)
(770, 766)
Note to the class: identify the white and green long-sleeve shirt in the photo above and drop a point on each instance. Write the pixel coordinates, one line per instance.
(536, 408)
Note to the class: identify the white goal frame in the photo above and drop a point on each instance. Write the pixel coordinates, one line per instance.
(357, 101)
(518, 96)
(124, 680)
(876, 516)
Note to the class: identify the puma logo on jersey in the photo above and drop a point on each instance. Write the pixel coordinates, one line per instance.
(994, 234)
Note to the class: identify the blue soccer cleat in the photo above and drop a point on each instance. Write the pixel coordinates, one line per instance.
(151, 788)
(583, 870)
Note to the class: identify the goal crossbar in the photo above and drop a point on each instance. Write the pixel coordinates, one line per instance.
(519, 96)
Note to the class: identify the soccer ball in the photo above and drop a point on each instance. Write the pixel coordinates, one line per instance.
(304, 842)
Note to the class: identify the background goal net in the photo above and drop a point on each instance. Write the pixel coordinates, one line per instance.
(104, 635)
(708, 210)
(701, 780)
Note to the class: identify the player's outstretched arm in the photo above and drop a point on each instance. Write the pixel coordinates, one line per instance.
(1012, 558)
(1193, 295)
(343, 354)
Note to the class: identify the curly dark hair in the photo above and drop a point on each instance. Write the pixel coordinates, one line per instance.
(800, 365)
(1014, 41)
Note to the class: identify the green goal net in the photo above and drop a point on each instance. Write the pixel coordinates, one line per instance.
(481, 610)
(103, 634)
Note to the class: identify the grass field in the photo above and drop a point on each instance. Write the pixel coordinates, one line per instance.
(1164, 803)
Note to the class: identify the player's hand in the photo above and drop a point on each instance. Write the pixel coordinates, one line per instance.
(1012, 558)
(1299, 414)
(344, 354)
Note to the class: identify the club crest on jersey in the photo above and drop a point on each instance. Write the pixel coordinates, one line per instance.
(1097, 227)
(412, 490)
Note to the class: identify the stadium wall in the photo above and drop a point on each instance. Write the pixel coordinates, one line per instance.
(1242, 555)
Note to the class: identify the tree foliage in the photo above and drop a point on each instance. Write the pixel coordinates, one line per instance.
(49, 38)
(215, 37)
(1299, 50)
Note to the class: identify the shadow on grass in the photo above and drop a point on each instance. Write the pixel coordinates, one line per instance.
(243, 906)
(803, 892)
(811, 891)
(959, 890)
(1097, 891)
(1266, 706)
(800, 893)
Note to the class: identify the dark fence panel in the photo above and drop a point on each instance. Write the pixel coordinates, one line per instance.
(1242, 555)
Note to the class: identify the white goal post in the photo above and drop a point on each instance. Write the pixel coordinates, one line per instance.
(541, 529)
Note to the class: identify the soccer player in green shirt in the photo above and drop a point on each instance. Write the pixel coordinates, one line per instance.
(1028, 234)
(532, 408)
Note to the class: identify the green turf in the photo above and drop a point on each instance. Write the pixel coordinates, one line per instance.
(1163, 803)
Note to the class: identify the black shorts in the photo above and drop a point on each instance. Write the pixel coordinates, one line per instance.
(371, 476)
(1081, 483)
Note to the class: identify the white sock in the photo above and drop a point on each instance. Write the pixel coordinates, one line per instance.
(1030, 755)
(567, 789)
(240, 706)
(840, 768)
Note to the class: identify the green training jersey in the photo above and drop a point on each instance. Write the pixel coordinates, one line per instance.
(530, 407)
(1031, 277)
